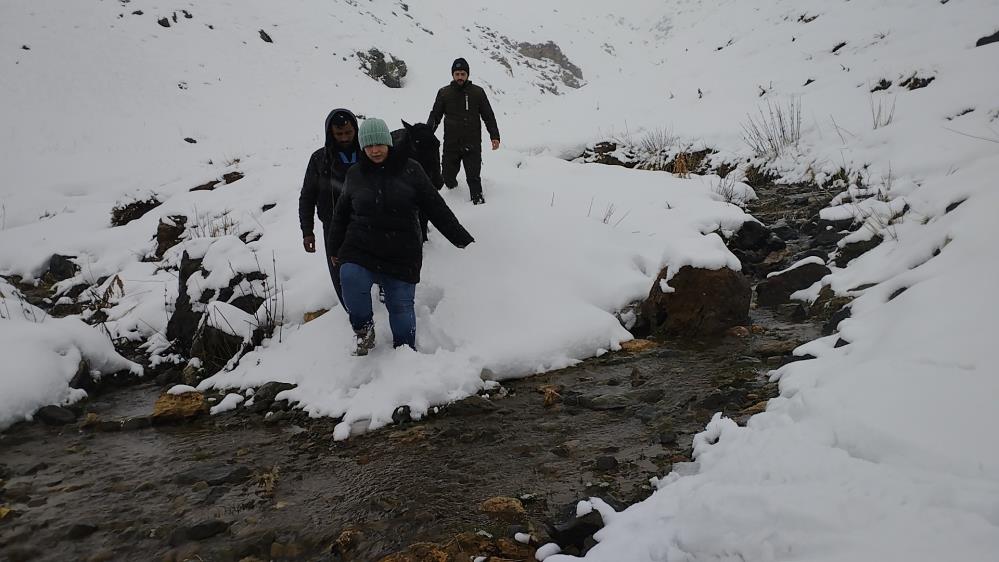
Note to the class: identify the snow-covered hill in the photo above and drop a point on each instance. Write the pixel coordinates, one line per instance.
(877, 449)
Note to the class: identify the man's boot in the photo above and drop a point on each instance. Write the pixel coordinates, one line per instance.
(364, 340)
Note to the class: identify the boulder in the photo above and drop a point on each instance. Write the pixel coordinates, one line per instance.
(507, 510)
(703, 302)
(55, 415)
(125, 213)
(214, 347)
(777, 289)
(60, 268)
(178, 407)
(183, 324)
(389, 72)
(169, 232)
(853, 250)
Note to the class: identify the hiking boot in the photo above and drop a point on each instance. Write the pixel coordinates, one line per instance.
(478, 200)
(364, 339)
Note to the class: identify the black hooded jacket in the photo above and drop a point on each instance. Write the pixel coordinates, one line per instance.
(376, 224)
(463, 109)
(324, 177)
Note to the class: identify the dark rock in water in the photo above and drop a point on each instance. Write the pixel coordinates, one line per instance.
(215, 475)
(471, 406)
(80, 530)
(55, 415)
(988, 39)
(389, 72)
(168, 233)
(61, 268)
(777, 289)
(667, 438)
(647, 395)
(184, 323)
(124, 214)
(606, 463)
(703, 302)
(134, 423)
(853, 250)
(198, 531)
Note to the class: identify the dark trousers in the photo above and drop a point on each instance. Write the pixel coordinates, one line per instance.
(454, 159)
(334, 269)
(399, 300)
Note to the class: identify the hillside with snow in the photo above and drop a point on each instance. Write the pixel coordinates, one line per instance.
(879, 447)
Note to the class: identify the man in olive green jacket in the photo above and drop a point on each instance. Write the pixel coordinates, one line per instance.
(462, 104)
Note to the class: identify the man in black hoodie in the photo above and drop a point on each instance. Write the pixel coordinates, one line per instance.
(324, 179)
(461, 105)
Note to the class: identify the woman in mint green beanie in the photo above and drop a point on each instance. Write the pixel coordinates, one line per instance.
(376, 236)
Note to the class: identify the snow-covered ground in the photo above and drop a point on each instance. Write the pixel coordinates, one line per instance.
(879, 449)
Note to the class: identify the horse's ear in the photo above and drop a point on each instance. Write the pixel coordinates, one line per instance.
(406, 125)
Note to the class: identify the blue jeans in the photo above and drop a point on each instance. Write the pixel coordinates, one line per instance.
(357, 281)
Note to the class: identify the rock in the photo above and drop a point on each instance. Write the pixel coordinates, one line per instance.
(647, 395)
(122, 214)
(190, 140)
(214, 347)
(605, 463)
(510, 549)
(853, 250)
(388, 72)
(401, 415)
(570, 74)
(777, 289)
(751, 236)
(137, 422)
(738, 332)
(703, 302)
(183, 324)
(636, 345)
(646, 413)
(667, 438)
(605, 402)
(504, 509)
(264, 396)
(310, 316)
(60, 268)
(471, 406)
(214, 475)
(165, 22)
(55, 415)
(178, 407)
(772, 348)
(82, 379)
(80, 530)
(168, 233)
(265, 37)
(198, 531)
(988, 40)
(577, 530)
(420, 552)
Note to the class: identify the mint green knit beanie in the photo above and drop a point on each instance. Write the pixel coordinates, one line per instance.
(374, 131)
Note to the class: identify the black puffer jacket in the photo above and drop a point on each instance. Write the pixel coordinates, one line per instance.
(462, 107)
(376, 223)
(324, 177)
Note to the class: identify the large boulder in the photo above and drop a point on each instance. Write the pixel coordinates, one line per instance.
(778, 288)
(183, 324)
(702, 302)
(389, 71)
(178, 407)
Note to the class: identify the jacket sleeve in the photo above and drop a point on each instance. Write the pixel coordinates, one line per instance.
(434, 207)
(437, 112)
(488, 117)
(341, 218)
(307, 198)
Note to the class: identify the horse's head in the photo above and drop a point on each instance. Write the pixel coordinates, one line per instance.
(422, 137)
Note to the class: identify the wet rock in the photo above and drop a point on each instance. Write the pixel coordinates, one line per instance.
(703, 302)
(55, 415)
(135, 423)
(777, 289)
(667, 438)
(504, 509)
(605, 463)
(751, 236)
(646, 413)
(606, 402)
(647, 395)
(123, 214)
(772, 348)
(471, 406)
(198, 531)
(738, 332)
(168, 233)
(178, 407)
(389, 72)
(637, 345)
(60, 268)
(80, 531)
(853, 250)
(215, 475)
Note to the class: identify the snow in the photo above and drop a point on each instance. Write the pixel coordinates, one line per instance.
(522, 538)
(874, 450)
(546, 551)
(797, 264)
(179, 389)
(230, 402)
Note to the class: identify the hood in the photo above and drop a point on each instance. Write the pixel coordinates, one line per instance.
(330, 141)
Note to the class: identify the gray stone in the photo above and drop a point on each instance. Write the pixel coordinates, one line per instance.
(80, 530)
(214, 475)
(55, 415)
(607, 402)
(606, 463)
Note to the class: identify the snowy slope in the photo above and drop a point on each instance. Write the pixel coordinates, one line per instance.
(879, 449)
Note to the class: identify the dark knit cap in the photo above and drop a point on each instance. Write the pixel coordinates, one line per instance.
(459, 64)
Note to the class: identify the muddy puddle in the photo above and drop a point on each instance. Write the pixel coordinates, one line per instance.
(237, 486)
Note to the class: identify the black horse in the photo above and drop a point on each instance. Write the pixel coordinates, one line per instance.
(420, 143)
